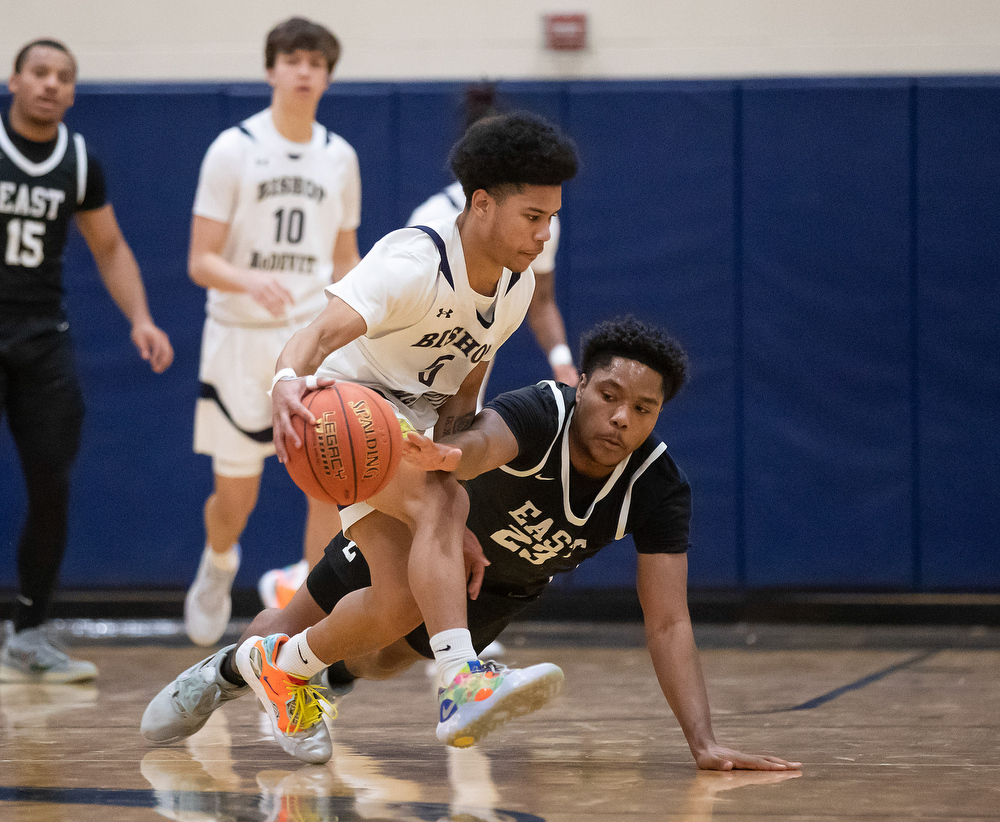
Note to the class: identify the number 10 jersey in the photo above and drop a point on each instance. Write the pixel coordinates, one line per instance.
(285, 204)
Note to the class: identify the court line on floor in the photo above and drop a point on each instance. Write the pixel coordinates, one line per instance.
(230, 805)
(857, 685)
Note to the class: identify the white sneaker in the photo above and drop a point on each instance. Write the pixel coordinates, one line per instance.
(208, 604)
(278, 586)
(28, 656)
(485, 695)
(184, 705)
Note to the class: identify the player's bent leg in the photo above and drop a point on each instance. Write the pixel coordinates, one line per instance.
(294, 707)
(185, 705)
(208, 604)
(435, 508)
(370, 618)
(385, 663)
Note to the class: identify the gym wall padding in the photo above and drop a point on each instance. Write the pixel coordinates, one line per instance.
(827, 334)
(825, 249)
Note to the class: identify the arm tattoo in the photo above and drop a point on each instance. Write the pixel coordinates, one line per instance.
(452, 425)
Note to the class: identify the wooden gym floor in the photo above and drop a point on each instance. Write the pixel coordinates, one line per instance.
(890, 723)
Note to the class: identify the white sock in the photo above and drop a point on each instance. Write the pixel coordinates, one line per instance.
(298, 659)
(452, 649)
(228, 560)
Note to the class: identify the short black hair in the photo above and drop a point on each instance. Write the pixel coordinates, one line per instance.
(298, 33)
(47, 42)
(514, 149)
(633, 339)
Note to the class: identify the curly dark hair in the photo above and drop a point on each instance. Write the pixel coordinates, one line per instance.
(299, 33)
(510, 151)
(632, 339)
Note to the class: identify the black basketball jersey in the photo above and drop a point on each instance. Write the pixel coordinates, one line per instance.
(537, 516)
(41, 186)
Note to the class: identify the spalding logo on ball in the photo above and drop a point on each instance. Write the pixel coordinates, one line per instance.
(352, 450)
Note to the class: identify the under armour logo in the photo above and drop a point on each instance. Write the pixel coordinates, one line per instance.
(445, 312)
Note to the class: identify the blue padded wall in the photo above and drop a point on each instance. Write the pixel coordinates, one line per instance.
(650, 231)
(826, 251)
(827, 346)
(958, 303)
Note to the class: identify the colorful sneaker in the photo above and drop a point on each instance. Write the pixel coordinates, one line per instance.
(277, 587)
(484, 695)
(208, 603)
(185, 705)
(29, 656)
(294, 707)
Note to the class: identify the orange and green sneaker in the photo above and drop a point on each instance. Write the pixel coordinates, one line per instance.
(294, 706)
(484, 695)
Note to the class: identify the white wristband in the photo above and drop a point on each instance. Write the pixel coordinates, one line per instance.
(311, 382)
(560, 355)
(283, 374)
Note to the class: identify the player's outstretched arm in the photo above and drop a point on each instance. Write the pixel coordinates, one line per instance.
(336, 326)
(488, 444)
(662, 585)
(120, 273)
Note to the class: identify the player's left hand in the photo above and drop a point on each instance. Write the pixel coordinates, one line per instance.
(422, 452)
(154, 345)
(720, 758)
(475, 563)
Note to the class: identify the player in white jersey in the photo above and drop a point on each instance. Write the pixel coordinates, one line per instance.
(419, 318)
(544, 317)
(275, 219)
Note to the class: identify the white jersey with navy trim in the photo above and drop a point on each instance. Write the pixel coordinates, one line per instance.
(285, 204)
(427, 327)
(450, 202)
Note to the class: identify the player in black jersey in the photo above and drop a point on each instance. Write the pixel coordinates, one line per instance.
(553, 475)
(46, 177)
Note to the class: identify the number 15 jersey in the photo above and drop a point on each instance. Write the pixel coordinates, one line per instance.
(285, 204)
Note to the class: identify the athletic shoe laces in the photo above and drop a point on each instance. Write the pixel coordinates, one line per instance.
(308, 707)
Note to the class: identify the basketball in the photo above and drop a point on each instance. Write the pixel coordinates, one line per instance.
(353, 449)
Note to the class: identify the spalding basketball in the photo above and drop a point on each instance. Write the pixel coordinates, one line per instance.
(351, 451)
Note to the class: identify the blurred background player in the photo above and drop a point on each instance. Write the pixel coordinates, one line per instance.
(47, 176)
(275, 220)
(544, 316)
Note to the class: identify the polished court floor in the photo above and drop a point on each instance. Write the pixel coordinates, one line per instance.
(890, 724)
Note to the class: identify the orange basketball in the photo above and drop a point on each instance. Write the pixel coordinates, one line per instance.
(353, 449)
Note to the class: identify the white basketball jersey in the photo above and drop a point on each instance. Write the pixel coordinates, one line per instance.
(427, 327)
(285, 203)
